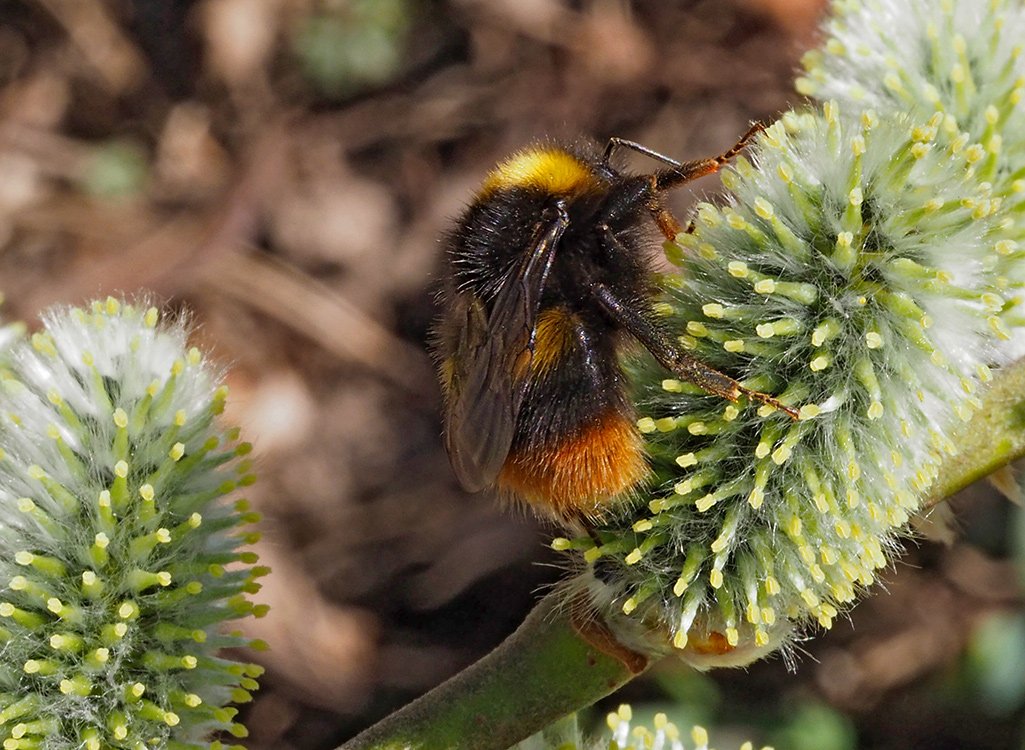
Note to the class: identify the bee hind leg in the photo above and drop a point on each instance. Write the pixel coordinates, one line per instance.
(678, 361)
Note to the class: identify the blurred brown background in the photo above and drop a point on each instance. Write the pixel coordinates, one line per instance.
(283, 169)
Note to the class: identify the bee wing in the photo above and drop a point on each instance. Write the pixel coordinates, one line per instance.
(492, 362)
(484, 400)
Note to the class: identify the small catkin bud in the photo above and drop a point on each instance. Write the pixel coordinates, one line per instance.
(627, 734)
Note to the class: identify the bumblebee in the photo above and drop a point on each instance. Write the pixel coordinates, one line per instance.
(550, 275)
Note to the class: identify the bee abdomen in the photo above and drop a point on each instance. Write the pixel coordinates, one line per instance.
(583, 473)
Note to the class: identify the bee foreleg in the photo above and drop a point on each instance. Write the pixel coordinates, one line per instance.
(690, 170)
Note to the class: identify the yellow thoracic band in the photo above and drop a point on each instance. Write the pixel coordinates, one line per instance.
(549, 170)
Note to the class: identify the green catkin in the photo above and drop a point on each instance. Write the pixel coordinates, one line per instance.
(112, 583)
(871, 329)
(958, 66)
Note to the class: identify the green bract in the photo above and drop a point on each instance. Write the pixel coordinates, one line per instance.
(117, 562)
(847, 274)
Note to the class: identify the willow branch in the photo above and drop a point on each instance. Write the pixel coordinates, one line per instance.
(993, 438)
(551, 666)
